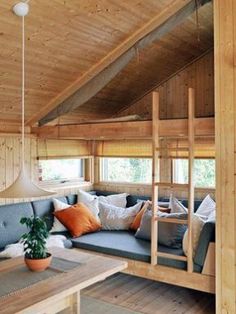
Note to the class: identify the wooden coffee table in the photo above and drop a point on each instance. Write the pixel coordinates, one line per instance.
(52, 296)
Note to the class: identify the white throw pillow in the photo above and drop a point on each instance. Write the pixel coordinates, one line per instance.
(93, 207)
(176, 206)
(207, 207)
(117, 218)
(118, 200)
(197, 225)
(85, 197)
(57, 225)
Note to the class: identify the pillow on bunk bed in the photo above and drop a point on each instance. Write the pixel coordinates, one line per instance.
(59, 205)
(118, 200)
(176, 206)
(160, 203)
(85, 197)
(57, 225)
(78, 219)
(169, 234)
(117, 218)
(146, 205)
(197, 225)
(207, 207)
(137, 220)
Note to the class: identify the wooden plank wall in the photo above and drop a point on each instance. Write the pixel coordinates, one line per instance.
(225, 96)
(10, 149)
(174, 92)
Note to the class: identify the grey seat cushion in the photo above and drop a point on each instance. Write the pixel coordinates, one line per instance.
(11, 229)
(45, 209)
(124, 244)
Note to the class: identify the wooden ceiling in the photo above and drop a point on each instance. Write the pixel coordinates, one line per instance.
(66, 38)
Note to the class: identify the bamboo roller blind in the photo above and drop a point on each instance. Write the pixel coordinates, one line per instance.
(204, 148)
(49, 149)
(124, 148)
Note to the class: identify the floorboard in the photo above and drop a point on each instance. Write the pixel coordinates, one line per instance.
(145, 296)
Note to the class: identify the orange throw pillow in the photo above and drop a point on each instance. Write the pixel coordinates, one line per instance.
(78, 219)
(137, 220)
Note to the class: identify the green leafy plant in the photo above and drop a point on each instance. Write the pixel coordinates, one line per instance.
(35, 240)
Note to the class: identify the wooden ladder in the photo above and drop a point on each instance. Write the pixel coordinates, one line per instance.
(156, 183)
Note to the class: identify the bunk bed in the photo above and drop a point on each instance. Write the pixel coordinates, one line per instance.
(188, 131)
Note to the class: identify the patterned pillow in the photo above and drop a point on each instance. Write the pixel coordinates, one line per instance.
(117, 218)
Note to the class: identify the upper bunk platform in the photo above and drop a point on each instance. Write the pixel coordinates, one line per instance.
(204, 127)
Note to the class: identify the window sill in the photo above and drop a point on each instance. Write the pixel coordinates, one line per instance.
(58, 186)
(125, 183)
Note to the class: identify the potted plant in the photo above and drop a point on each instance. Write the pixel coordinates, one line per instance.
(36, 256)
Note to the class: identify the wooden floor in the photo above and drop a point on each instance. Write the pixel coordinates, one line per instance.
(150, 297)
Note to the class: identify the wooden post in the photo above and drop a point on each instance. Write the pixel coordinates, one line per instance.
(191, 103)
(225, 119)
(155, 173)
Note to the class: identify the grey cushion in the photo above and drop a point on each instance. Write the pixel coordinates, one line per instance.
(72, 198)
(207, 235)
(169, 234)
(124, 244)
(11, 229)
(44, 209)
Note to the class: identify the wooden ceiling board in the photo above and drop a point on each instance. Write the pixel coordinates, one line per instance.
(65, 38)
(157, 62)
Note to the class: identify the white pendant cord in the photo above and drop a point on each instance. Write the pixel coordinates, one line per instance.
(23, 98)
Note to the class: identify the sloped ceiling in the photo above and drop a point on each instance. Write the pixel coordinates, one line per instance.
(66, 38)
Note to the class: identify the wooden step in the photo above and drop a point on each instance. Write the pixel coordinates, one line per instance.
(175, 149)
(171, 256)
(172, 220)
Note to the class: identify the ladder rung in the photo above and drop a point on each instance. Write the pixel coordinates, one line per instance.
(171, 256)
(172, 185)
(172, 220)
(183, 149)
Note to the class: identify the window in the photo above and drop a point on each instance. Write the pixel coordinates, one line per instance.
(204, 172)
(130, 170)
(61, 169)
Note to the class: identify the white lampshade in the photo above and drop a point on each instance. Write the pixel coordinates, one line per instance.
(23, 187)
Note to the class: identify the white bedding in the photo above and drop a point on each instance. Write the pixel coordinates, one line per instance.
(16, 249)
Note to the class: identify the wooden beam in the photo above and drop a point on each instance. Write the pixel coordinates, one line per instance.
(155, 175)
(225, 108)
(126, 130)
(166, 20)
(191, 112)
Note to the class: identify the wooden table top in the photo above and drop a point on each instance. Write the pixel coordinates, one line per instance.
(93, 268)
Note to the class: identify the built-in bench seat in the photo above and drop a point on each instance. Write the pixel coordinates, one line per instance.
(124, 244)
(117, 243)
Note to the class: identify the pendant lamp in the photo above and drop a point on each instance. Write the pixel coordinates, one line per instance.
(23, 187)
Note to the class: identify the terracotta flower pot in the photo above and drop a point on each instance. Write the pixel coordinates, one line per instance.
(38, 264)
